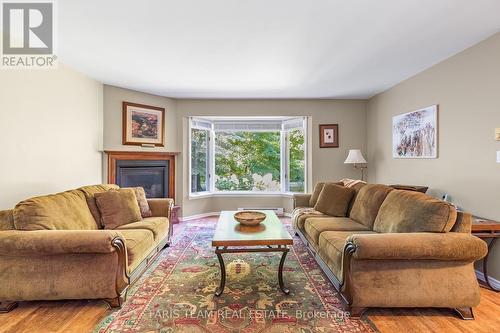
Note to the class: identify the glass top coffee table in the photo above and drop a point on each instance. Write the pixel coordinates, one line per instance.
(232, 237)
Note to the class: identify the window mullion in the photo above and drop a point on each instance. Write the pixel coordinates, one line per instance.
(211, 154)
(283, 161)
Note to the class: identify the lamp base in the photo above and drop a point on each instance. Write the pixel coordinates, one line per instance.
(362, 170)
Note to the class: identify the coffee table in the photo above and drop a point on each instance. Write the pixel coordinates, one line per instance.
(232, 237)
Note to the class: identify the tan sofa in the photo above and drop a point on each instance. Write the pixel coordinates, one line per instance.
(52, 248)
(395, 248)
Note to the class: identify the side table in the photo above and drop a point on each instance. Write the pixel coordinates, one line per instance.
(174, 214)
(486, 230)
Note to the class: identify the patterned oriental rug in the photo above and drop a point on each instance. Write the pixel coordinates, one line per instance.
(176, 294)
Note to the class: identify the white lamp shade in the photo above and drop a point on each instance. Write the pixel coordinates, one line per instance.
(355, 157)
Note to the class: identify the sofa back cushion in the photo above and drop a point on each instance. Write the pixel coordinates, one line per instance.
(356, 187)
(334, 200)
(7, 220)
(317, 190)
(118, 207)
(63, 211)
(408, 211)
(142, 201)
(90, 191)
(367, 203)
(315, 195)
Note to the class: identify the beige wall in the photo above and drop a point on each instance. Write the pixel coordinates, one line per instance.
(327, 163)
(50, 130)
(113, 98)
(467, 89)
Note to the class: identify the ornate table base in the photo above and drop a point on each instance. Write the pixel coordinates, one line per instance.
(485, 264)
(219, 250)
(486, 229)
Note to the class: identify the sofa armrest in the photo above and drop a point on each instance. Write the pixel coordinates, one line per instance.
(52, 242)
(161, 207)
(301, 200)
(419, 246)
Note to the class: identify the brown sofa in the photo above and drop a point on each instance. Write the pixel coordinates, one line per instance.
(395, 248)
(52, 248)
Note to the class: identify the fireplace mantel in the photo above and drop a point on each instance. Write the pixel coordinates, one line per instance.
(115, 156)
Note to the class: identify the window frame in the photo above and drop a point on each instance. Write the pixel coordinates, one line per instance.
(284, 155)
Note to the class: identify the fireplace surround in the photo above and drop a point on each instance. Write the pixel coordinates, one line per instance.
(154, 171)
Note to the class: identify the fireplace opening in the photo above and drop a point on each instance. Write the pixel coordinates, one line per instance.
(152, 175)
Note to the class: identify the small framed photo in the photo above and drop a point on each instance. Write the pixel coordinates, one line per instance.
(329, 136)
(143, 125)
(497, 134)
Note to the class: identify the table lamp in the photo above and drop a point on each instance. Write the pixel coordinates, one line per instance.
(356, 157)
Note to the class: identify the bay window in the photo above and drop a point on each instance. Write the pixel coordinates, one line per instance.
(247, 154)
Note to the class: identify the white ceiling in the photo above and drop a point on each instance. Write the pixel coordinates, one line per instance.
(266, 48)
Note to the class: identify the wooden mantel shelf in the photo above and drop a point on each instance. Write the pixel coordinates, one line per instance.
(114, 156)
(141, 153)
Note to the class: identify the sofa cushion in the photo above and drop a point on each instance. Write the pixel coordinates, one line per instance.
(317, 190)
(140, 194)
(334, 200)
(139, 243)
(313, 227)
(408, 211)
(331, 248)
(7, 220)
(356, 187)
(63, 211)
(90, 192)
(118, 207)
(157, 225)
(299, 216)
(367, 203)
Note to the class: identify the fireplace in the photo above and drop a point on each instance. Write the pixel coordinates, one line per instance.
(151, 175)
(155, 172)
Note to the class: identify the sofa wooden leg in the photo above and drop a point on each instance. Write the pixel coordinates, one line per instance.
(357, 312)
(465, 313)
(116, 302)
(7, 306)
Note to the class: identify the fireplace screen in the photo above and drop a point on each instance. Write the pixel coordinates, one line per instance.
(151, 175)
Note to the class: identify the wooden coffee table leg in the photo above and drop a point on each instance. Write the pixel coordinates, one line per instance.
(220, 290)
(280, 272)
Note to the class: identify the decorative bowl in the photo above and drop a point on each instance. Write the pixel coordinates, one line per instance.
(249, 217)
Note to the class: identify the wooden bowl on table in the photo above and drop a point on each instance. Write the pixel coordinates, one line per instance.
(249, 217)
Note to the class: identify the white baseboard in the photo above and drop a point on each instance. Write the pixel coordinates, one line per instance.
(494, 282)
(198, 216)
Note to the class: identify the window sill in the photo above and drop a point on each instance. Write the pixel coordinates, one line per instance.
(201, 195)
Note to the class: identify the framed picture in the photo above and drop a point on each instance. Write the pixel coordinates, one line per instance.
(143, 125)
(497, 134)
(329, 136)
(415, 134)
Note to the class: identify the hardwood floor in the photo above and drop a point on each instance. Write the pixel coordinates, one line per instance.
(487, 318)
(82, 316)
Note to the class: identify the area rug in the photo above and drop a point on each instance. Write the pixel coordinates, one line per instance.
(176, 294)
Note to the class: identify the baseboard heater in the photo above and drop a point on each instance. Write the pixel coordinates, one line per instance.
(278, 210)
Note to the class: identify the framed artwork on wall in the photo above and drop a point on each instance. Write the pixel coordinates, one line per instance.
(497, 134)
(143, 125)
(329, 136)
(415, 134)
